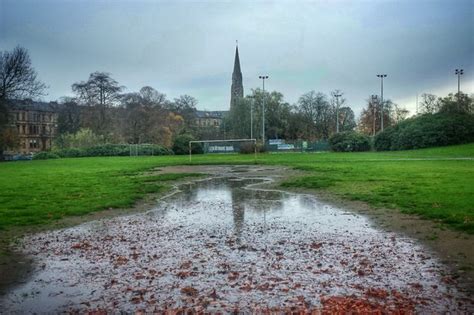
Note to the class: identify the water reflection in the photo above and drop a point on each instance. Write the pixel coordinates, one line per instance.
(233, 202)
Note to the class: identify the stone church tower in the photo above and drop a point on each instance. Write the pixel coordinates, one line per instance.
(237, 89)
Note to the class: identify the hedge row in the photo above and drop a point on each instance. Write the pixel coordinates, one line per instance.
(429, 130)
(105, 150)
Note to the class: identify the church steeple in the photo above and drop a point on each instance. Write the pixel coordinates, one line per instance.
(237, 88)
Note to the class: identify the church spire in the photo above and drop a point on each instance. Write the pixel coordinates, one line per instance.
(237, 88)
(237, 61)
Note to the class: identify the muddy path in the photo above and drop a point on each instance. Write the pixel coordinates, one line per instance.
(231, 242)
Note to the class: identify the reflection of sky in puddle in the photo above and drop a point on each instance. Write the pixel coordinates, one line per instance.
(221, 201)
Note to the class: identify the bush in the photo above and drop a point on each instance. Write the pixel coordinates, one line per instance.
(114, 150)
(70, 152)
(181, 145)
(349, 141)
(428, 130)
(45, 156)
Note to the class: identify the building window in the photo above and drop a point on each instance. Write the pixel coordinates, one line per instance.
(33, 144)
(24, 129)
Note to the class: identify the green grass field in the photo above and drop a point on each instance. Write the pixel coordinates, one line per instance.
(435, 183)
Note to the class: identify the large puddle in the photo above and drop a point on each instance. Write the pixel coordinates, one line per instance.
(223, 244)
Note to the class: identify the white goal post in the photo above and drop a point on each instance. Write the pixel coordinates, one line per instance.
(221, 141)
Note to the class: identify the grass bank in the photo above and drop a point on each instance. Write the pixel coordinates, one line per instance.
(435, 183)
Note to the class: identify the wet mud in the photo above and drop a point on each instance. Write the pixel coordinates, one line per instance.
(224, 244)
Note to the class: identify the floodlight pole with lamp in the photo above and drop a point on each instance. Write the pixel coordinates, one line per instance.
(459, 73)
(337, 111)
(381, 76)
(252, 100)
(374, 103)
(263, 77)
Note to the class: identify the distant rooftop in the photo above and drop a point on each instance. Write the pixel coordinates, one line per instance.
(32, 105)
(211, 114)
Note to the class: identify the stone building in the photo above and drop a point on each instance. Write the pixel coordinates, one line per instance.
(36, 125)
(209, 118)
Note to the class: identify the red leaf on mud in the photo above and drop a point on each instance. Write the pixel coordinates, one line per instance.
(190, 291)
(121, 261)
(377, 293)
(246, 287)
(213, 294)
(185, 274)
(416, 285)
(82, 245)
(233, 276)
(186, 265)
(315, 245)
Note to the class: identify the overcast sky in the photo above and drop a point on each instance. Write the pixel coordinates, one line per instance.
(187, 47)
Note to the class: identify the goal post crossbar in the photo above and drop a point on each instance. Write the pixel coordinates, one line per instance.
(220, 141)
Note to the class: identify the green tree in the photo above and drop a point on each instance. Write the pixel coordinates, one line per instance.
(457, 103)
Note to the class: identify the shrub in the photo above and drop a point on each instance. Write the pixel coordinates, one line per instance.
(70, 152)
(349, 141)
(114, 150)
(428, 130)
(181, 145)
(249, 148)
(45, 156)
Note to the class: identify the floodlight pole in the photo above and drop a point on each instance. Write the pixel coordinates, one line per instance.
(374, 102)
(251, 116)
(459, 73)
(337, 111)
(263, 77)
(381, 76)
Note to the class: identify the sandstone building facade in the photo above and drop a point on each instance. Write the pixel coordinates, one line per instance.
(35, 123)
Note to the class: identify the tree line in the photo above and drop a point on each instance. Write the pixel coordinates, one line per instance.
(102, 112)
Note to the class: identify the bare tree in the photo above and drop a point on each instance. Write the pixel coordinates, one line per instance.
(399, 113)
(185, 106)
(372, 113)
(152, 97)
(346, 119)
(429, 104)
(18, 78)
(319, 115)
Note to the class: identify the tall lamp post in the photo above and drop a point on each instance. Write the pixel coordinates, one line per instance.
(337, 111)
(263, 77)
(374, 102)
(252, 100)
(381, 76)
(459, 73)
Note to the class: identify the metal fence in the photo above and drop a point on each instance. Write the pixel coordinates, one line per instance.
(281, 145)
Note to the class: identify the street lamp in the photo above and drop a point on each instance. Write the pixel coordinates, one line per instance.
(381, 76)
(374, 102)
(337, 111)
(263, 77)
(459, 73)
(252, 100)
